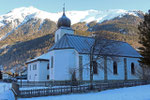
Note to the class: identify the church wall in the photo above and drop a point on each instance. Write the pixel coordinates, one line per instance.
(51, 70)
(120, 68)
(137, 68)
(43, 71)
(60, 32)
(110, 75)
(64, 62)
(86, 69)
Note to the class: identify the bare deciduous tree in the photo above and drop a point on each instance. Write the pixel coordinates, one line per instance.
(101, 48)
(72, 72)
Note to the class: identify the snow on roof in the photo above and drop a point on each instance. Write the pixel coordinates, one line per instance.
(44, 57)
(83, 44)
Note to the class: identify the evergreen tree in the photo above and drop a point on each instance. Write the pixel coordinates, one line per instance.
(144, 36)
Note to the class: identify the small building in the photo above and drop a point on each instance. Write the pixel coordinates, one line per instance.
(38, 68)
(22, 73)
(6, 76)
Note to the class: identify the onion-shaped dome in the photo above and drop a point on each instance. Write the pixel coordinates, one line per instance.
(63, 21)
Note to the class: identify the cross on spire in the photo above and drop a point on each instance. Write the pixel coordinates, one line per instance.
(64, 9)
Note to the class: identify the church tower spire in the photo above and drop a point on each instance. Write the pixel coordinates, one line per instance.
(64, 20)
(63, 25)
(64, 9)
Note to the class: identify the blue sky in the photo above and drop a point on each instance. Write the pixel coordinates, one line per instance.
(56, 5)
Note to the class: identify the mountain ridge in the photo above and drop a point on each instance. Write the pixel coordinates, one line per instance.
(25, 13)
(19, 16)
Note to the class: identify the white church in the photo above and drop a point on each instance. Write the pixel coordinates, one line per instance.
(70, 53)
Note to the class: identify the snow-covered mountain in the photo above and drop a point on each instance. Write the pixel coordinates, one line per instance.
(23, 14)
(19, 16)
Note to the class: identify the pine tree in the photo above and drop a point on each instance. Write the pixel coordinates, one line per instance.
(144, 36)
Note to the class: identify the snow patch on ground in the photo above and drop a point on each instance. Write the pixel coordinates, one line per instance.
(131, 93)
(7, 95)
(34, 88)
(5, 92)
(4, 87)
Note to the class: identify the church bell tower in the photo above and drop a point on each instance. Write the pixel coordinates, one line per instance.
(63, 26)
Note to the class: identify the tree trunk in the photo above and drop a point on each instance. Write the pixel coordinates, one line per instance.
(91, 69)
(91, 75)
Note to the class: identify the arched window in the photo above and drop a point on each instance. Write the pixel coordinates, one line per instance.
(95, 70)
(132, 68)
(52, 62)
(47, 77)
(48, 66)
(115, 71)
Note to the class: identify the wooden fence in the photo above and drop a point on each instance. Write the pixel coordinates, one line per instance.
(46, 83)
(77, 89)
(65, 83)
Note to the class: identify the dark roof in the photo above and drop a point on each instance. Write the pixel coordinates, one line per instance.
(43, 57)
(83, 44)
(36, 60)
(64, 21)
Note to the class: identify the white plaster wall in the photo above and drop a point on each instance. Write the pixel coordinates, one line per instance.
(137, 67)
(33, 73)
(60, 32)
(121, 73)
(40, 74)
(120, 68)
(51, 70)
(110, 75)
(86, 69)
(64, 60)
(43, 71)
